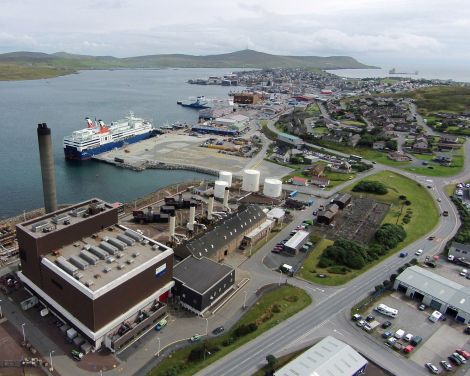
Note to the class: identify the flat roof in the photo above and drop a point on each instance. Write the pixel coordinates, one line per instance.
(289, 136)
(296, 239)
(200, 274)
(111, 266)
(437, 286)
(260, 228)
(329, 357)
(40, 227)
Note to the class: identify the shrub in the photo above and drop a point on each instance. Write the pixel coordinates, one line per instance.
(228, 341)
(337, 269)
(276, 308)
(245, 329)
(407, 202)
(291, 298)
(402, 197)
(375, 187)
(389, 235)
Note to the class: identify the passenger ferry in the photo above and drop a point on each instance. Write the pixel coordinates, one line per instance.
(98, 137)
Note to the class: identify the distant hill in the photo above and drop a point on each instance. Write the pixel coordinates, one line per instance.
(65, 62)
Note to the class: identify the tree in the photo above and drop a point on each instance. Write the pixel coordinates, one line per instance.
(272, 360)
(389, 235)
(402, 197)
(371, 187)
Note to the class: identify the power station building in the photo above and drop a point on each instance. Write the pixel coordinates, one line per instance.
(106, 281)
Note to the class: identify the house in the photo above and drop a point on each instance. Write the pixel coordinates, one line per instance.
(421, 146)
(317, 169)
(328, 215)
(378, 145)
(320, 181)
(342, 200)
(398, 156)
(285, 138)
(296, 180)
(354, 140)
(343, 167)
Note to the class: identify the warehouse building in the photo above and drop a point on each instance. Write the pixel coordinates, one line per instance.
(342, 200)
(329, 357)
(435, 291)
(225, 237)
(107, 282)
(459, 250)
(328, 215)
(201, 283)
(293, 245)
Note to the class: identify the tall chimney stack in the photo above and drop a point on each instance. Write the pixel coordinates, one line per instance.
(46, 157)
(192, 217)
(172, 226)
(226, 193)
(210, 207)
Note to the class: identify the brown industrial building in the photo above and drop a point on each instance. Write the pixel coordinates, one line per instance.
(107, 282)
(328, 215)
(225, 237)
(342, 200)
(246, 98)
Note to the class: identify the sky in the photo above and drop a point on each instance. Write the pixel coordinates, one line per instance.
(379, 32)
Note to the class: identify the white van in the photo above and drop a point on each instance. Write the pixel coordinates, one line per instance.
(387, 311)
(435, 316)
(399, 334)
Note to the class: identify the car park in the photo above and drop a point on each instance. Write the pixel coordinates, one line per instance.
(432, 368)
(386, 324)
(445, 364)
(218, 330)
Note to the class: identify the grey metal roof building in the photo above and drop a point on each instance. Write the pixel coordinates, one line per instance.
(329, 357)
(229, 229)
(439, 293)
(460, 250)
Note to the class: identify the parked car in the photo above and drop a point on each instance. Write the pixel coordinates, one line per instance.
(463, 353)
(432, 368)
(460, 357)
(463, 272)
(454, 360)
(445, 365)
(408, 349)
(391, 341)
(403, 254)
(421, 307)
(416, 340)
(408, 337)
(356, 317)
(195, 338)
(361, 323)
(386, 324)
(370, 318)
(218, 330)
(77, 355)
(387, 334)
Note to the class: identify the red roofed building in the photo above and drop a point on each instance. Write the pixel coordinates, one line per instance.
(299, 181)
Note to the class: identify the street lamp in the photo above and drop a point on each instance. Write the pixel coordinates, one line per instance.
(207, 325)
(24, 335)
(280, 277)
(1, 312)
(50, 358)
(244, 301)
(159, 345)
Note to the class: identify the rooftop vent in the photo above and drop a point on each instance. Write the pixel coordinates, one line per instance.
(130, 261)
(121, 266)
(89, 283)
(107, 269)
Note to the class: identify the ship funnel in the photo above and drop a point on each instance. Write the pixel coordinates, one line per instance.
(172, 226)
(46, 157)
(226, 193)
(192, 217)
(210, 207)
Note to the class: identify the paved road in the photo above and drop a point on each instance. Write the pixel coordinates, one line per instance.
(333, 310)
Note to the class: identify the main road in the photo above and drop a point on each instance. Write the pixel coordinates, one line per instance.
(331, 315)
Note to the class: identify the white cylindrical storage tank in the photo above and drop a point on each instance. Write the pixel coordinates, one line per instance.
(250, 180)
(219, 188)
(226, 176)
(272, 187)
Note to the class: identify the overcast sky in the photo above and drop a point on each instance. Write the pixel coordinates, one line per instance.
(382, 32)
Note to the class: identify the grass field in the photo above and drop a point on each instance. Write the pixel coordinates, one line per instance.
(16, 72)
(290, 299)
(451, 99)
(353, 122)
(438, 170)
(313, 109)
(336, 178)
(424, 218)
(320, 130)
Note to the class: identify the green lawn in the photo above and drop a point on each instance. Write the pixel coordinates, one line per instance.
(320, 130)
(424, 218)
(425, 213)
(449, 189)
(337, 178)
(435, 169)
(353, 122)
(290, 299)
(313, 109)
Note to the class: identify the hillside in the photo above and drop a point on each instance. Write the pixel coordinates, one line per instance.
(29, 65)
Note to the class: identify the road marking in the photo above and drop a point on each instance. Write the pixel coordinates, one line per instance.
(337, 331)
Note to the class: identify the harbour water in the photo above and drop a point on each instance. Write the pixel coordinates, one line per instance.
(63, 103)
(457, 74)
